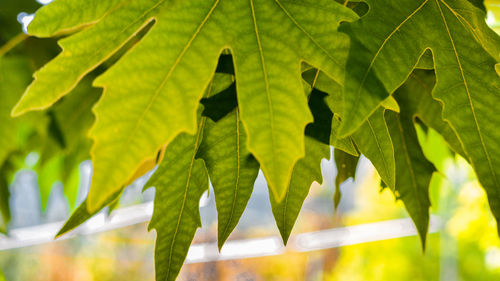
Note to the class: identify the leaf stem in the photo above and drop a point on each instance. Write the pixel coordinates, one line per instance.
(12, 43)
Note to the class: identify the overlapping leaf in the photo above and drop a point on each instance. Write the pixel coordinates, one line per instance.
(323, 83)
(376, 62)
(306, 171)
(180, 180)
(413, 170)
(81, 214)
(374, 141)
(172, 66)
(465, 52)
(232, 170)
(417, 95)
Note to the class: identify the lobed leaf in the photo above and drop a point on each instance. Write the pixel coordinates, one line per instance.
(63, 16)
(467, 83)
(323, 84)
(306, 171)
(374, 141)
(81, 214)
(180, 180)
(267, 63)
(232, 170)
(416, 93)
(413, 170)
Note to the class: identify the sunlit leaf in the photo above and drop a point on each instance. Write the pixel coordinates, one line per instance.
(270, 95)
(307, 171)
(81, 214)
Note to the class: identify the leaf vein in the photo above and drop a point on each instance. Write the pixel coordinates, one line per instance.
(264, 70)
(466, 86)
(309, 36)
(171, 70)
(372, 62)
(237, 183)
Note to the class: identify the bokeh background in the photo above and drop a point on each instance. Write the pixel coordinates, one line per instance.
(350, 243)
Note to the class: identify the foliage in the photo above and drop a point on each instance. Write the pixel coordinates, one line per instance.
(218, 89)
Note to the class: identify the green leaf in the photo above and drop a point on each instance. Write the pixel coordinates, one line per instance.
(232, 170)
(81, 214)
(14, 76)
(83, 51)
(325, 84)
(57, 18)
(426, 61)
(67, 144)
(465, 52)
(306, 171)
(346, 168)
(416, 93)
(180, 180)
(391, 104)
(344, 144)
(263, 38)
(479, 4)
(413, 170)
(374, 142)
(435, 148)
(376, 66)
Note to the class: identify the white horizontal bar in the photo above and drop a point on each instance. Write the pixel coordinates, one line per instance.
(233, 249)
(357, 234)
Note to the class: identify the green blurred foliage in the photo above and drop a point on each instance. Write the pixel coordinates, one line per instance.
(59, 135)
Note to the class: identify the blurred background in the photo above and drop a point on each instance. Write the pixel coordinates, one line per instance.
(369, 236)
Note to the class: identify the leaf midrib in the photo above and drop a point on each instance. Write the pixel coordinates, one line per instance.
(191, 165)
(410, 165)
(162, 84)
(466, 86)
(237, 183)
(186, 189)
(372, 62)
(266, 81)
(171, 70)
(463, 19)
(377, 141)
(309, 36)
